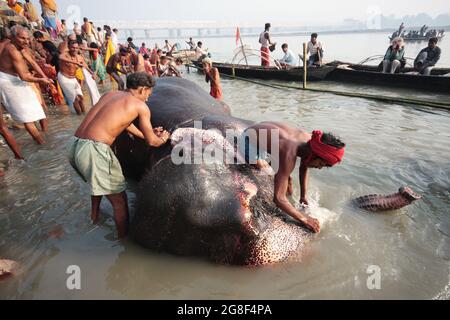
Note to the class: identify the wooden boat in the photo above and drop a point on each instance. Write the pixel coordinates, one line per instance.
(272, 73)
(185, 54)
(420, 38)
(372, 75)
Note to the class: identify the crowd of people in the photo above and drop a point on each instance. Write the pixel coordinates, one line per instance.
(43, 61)
(424, 32)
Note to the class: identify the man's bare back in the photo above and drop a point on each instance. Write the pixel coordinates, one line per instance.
(116, 109)
(138, 62)
(290, 138)
(292, 143)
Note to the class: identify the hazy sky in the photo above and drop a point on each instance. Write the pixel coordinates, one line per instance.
(320, 12)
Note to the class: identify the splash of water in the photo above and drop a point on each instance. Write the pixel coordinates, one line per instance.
(323, 215)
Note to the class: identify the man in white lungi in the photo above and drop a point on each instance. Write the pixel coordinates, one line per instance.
(16, 92)
(69, 63)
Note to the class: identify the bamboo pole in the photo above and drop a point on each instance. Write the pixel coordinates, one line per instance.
(305, 65)
(187, 62)
(243, 50)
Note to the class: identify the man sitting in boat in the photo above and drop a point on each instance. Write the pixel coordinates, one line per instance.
(288, 60)
(315, 51)
(200, 54)
(394, 56)
(428, 58)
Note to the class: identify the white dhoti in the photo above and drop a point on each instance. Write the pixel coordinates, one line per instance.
(70, 87)
(90, 38)
(92, 86)
(20, 99)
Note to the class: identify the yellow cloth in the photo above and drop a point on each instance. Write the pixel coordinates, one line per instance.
(110, 51)
(31, 9)
(79, 75)
(49, 4)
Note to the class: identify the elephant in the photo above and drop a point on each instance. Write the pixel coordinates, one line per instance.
(222, 212)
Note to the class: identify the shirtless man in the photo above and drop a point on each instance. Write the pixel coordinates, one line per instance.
(213, 77)
(9, 138)
(315, 151)
(116, 65)
(17, 94)
(4, 132)
(91, 155)
(137, 60)
(87, 31)
(155, 60)
(69, 63)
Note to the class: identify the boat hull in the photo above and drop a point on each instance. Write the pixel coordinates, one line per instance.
(369, 75)
(272, 73)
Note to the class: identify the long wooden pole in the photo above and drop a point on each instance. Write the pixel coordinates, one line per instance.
(243, 50)
(305, 65)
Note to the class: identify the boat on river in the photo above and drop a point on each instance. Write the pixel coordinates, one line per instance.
(438, 81)
(272, 73)
(420, 38)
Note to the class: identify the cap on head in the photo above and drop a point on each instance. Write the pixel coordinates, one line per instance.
(207, 61)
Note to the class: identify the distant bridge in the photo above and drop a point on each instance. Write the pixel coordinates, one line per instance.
(145, 30)
(185, 29)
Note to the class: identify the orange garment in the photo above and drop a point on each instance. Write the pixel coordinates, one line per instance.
(265, 56)
(16, 7)
(49, 4)
(216, 92)
(216, 87)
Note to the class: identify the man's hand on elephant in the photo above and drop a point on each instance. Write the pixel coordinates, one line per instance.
(304, 202)
(312, 224)
(165, 136)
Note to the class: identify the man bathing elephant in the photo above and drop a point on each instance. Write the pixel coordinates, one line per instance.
(216, 209)
(90, 150)
(315, 151)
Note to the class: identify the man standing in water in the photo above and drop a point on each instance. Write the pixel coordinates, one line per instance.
(17, 94)
(315, 151)
(90, 150)
(9, 138)
(213, 77)
(69, 63)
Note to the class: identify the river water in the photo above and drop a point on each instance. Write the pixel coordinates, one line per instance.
(44, 212)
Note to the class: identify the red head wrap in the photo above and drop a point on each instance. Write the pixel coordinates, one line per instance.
(331, 155)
